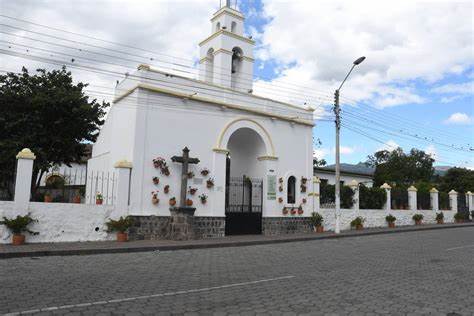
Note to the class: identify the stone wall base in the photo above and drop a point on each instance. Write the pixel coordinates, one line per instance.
(157, 227)
(285, 225)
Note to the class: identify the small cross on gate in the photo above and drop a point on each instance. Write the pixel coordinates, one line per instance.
(185, 160)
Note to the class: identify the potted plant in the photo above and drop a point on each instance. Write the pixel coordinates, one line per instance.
(173, 201)
(390, 220)
(280, 180)
(189, 202)
(210, 183)
(159, 162)
(76, 199)
(280, 200)
(48, 198)
(190, 175)
(304, 180)
(99, 198)
(300, 210)
(280, 188)
(358, 223)
(285, 211)
(120, 226)
(293, 211)
(204, 172)
(192, 190)
(440, 218)
(165, 170)
(417, 218)
(203, 198)
(154, 197)
(17, 226)
(166, 189)
(459, 217)
(303, 188)
(316, 220)
(156, 180)
(304, 200)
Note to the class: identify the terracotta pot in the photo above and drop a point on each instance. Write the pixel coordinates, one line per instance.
(98, 201)
(156, 180)
(418, 222)
(166, 190)
(459, 221)
(173, 202)
(18, 239)
(203, 201)
(391, 224)
(440, 221)
(122, 237)
(155, 201)
(209, 185)
(76, 199)
(192, 191)
(189, 202)
(204, 172)
(280, 200)
(285, 212)
(300, 212)
(319, 229)
(359, 227)
(48, 199)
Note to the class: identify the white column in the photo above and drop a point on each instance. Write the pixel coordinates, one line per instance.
(123, 186)
(412, 198)
(470, 200)
(354, 185)
(269, 166)
(24, 172)
(388, 202)
(434, 199)
(217, 197)
(315, 194)
(453, 200)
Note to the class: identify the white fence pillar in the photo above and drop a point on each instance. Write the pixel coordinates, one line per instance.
(123, 185)
(434, 199)
(412, 202)
(24, 172)
(470, 200)
(453, 200)
(315, 194)
(388, 202)
(354, 185)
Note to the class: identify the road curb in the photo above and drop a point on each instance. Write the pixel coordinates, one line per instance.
(348, 234)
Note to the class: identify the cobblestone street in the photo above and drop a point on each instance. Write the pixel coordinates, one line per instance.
(425, 272)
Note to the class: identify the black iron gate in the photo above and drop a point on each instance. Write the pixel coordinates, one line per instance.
(243, 207)
(463, 205)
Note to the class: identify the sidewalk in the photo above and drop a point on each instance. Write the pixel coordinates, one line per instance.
(103, 247)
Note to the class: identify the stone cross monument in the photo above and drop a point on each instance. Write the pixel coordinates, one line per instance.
(181, 226)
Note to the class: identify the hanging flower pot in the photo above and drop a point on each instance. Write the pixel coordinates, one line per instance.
(304, 200)
(280, 180)
(303, 188)
(300, 211)
(293, 211)
(156, 180)
(154, 198)
(166, 189)
(210, 183)
(203, 198)
(165, 170)
(190, 175)
(192, 191)
(158, 162)
(204, 172)
(285, 211)
(189, 202)
(304, 180)
(280, 200)
(280, 188)
(173, 201)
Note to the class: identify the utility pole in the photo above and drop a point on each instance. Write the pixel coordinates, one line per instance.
(337, 111)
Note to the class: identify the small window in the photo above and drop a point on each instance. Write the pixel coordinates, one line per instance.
(218, 26)
(233, 27)
(291, 195)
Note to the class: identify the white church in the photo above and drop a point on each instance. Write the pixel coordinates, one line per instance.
(255, 154)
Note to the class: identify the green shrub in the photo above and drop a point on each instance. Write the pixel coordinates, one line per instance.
(472, 215)
(439, 216)
(328, 191)
(390, 218)
(19, 224)
(461, 216)
(359, 220)
(120, 225)
(399, 197)
(417, 217)
(316, 219)
(371, 198)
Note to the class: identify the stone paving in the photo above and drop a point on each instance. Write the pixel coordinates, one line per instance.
(412, 273)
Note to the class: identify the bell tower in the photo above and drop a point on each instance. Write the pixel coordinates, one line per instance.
(226, 56)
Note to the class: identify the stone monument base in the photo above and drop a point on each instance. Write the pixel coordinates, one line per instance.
(181, 224)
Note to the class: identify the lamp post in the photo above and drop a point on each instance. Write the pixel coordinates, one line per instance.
(337, 111)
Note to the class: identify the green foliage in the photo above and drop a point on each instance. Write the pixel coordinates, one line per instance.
(319, 162)
(459, 179)
(359, 220)
(461, 216)
(417, 217)
(328, 192)
(19, 224)
(390, 218)
(316, 219)
(371, 198)
(399, 197)
(120, 225)
(49, 114)
(472, 215)
(443, 200)
(400, 168)
(439, 216)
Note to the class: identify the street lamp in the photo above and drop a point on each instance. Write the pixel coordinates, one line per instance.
(337, 111)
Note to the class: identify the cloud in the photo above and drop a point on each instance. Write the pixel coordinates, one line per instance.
(389, 145)
(403, 41)
(459, 119)
(320, 153)
(431, 150)
(454, 91)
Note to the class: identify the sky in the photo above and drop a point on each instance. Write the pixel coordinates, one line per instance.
(415, 88)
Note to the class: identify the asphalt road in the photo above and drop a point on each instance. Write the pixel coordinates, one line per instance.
(428, 272)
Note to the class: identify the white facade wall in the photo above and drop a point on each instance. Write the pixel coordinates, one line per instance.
(347, 178)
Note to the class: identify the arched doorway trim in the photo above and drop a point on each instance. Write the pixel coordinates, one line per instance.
(234, 125)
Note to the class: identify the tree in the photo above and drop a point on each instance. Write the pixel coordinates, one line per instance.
(318, 162)
(49, 114)
(396, 167)
(458, 179)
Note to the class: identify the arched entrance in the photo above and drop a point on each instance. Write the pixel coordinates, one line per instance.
(244, 182)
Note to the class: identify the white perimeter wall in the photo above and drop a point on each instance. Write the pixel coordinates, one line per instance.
(367, 181)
